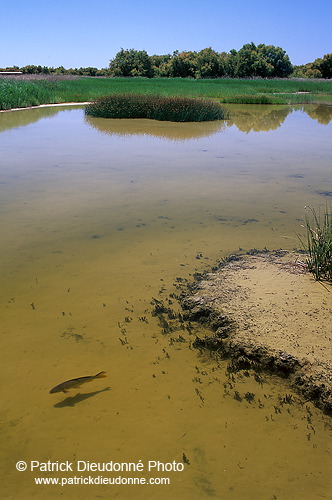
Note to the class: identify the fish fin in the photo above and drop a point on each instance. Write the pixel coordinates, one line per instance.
(64, 390)
(101, 375)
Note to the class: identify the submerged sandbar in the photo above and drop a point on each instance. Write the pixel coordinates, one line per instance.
(267, 310)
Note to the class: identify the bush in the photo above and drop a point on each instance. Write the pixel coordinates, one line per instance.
(174, 109)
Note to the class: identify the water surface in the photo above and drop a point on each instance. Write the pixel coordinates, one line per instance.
(98, 217)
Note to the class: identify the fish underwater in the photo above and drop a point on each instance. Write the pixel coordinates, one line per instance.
(76, 382)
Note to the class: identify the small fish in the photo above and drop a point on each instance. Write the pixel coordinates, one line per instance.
(75, 382)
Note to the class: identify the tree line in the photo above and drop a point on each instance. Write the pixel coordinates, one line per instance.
(262, 60)
(251, 61)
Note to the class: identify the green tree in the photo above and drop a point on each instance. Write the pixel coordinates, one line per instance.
(208, 64)
(249, 63)
(325, 66)
(142, 65)
(31, 69)
(320, 68)
(309, 70)
(227, 62)
(123, 62)
(262, 61)
(161, 65)
(131, 62)
(277, 58)
(90, 71)
(184, 64)
(60, 70)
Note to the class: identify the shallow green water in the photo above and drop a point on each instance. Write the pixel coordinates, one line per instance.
(97, 218)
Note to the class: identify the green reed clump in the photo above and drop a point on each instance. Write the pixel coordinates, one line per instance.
(21, 94)
(268, 99)
(251, 99)
(318, 244)
(156, 107)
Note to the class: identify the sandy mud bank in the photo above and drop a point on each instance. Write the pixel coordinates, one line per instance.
(60, 104)
(266, 311)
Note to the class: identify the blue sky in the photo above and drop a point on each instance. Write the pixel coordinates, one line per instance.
(81, 33)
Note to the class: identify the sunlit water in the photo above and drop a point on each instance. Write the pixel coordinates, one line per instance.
(98, 217)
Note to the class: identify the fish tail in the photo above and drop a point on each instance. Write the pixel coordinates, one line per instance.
(100, 375)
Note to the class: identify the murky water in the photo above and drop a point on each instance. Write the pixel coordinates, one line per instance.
(98, 217)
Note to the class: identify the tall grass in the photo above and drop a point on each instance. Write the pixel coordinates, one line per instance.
(21, 94)
(318, 244)
(276, 98)
(174, 109)
(18, 93)
(86, 89)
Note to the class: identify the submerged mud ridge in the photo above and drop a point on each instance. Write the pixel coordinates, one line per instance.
(267, 312)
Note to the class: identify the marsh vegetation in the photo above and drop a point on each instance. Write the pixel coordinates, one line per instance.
(22, 93)
(318, 243)
(156, 107)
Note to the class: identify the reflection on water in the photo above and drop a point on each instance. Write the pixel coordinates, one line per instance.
(25, 117)
(264, 118)
(99, 227)
(246, 118)
(323, 114)
(164, 130)
(252, 118)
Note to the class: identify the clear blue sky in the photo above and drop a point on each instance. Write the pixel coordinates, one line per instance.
(81, 33)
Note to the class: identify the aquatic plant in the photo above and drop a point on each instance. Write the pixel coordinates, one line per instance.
(251, 99)
(266, 98)
(318, 244)
(156, 107)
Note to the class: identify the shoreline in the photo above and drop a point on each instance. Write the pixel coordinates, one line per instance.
(85, 103)
(46, 106)
(267, 312)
